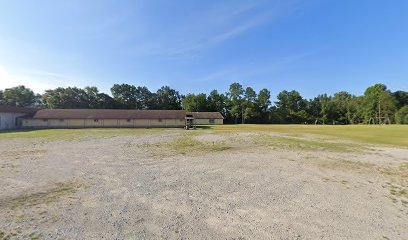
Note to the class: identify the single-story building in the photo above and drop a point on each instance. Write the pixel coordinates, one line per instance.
(108, 118)
(206, 118)
(10, 116)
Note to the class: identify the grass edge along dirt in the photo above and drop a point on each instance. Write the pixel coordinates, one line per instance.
(72, 134)
(396, 135)
(305, 144)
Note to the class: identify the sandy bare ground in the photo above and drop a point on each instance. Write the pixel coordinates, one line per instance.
(224, 186)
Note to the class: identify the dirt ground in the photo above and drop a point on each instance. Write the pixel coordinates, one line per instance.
(172, 184)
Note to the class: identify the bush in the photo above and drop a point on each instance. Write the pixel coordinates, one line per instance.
(401, 117)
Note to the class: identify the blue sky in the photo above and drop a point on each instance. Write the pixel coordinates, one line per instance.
(313, 46)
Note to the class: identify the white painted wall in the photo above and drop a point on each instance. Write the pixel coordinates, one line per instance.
(8, 120)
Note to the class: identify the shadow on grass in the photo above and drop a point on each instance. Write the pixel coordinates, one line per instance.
(19, 130)
(204, 127)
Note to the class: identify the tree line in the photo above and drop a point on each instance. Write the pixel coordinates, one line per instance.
(377, 105)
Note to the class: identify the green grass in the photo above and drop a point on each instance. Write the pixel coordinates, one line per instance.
(387, 134)
(374, 134)
(185, 145)
(70, 134)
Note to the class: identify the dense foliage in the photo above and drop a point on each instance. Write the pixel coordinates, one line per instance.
(238, 105)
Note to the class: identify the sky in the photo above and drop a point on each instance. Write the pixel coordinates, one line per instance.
(312, 46)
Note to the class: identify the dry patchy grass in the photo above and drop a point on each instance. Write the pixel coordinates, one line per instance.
(17, 234)
(60, 190)
(186, 144)
(398, 186)
(304, 144)
(347, 165)
(19, 154)
(399, 172)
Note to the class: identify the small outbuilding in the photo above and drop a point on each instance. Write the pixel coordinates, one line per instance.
(108, 118)
(206, 118)
(10, 117)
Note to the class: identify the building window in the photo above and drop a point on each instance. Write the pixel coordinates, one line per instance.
(45, 120)
(61, 120)
(128, 120)
(160, 120)
(96, 120)
(212, 121)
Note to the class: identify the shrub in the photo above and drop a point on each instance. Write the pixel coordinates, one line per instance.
(401, 117)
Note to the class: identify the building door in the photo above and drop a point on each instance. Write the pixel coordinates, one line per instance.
(17, 122)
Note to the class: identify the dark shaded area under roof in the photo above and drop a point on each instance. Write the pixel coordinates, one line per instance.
(108, 114)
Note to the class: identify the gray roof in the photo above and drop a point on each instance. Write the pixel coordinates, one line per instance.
(11, 109)
(108, 114)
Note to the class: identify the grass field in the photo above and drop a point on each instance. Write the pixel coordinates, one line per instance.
(374, 134)
(67, 134)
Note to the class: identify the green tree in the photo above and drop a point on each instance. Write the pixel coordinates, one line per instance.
(341, 101)
(20, 96)
(402, 98)
(104, 101)
(92, 96)
(401, 116)
(264, 101)
(379, 104)
(217, 103)
(235, 97)
(125, 95)
(356, 111)
(70, 97)
(195, 103)
(314, 109)
(249, 104)
(97, 100)
(292, 107)
(168, 98)
(144, 98)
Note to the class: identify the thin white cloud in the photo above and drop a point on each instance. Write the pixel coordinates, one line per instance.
(239, 73)
(212, 27)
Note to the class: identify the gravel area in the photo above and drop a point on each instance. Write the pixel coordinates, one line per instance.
(121, 188)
